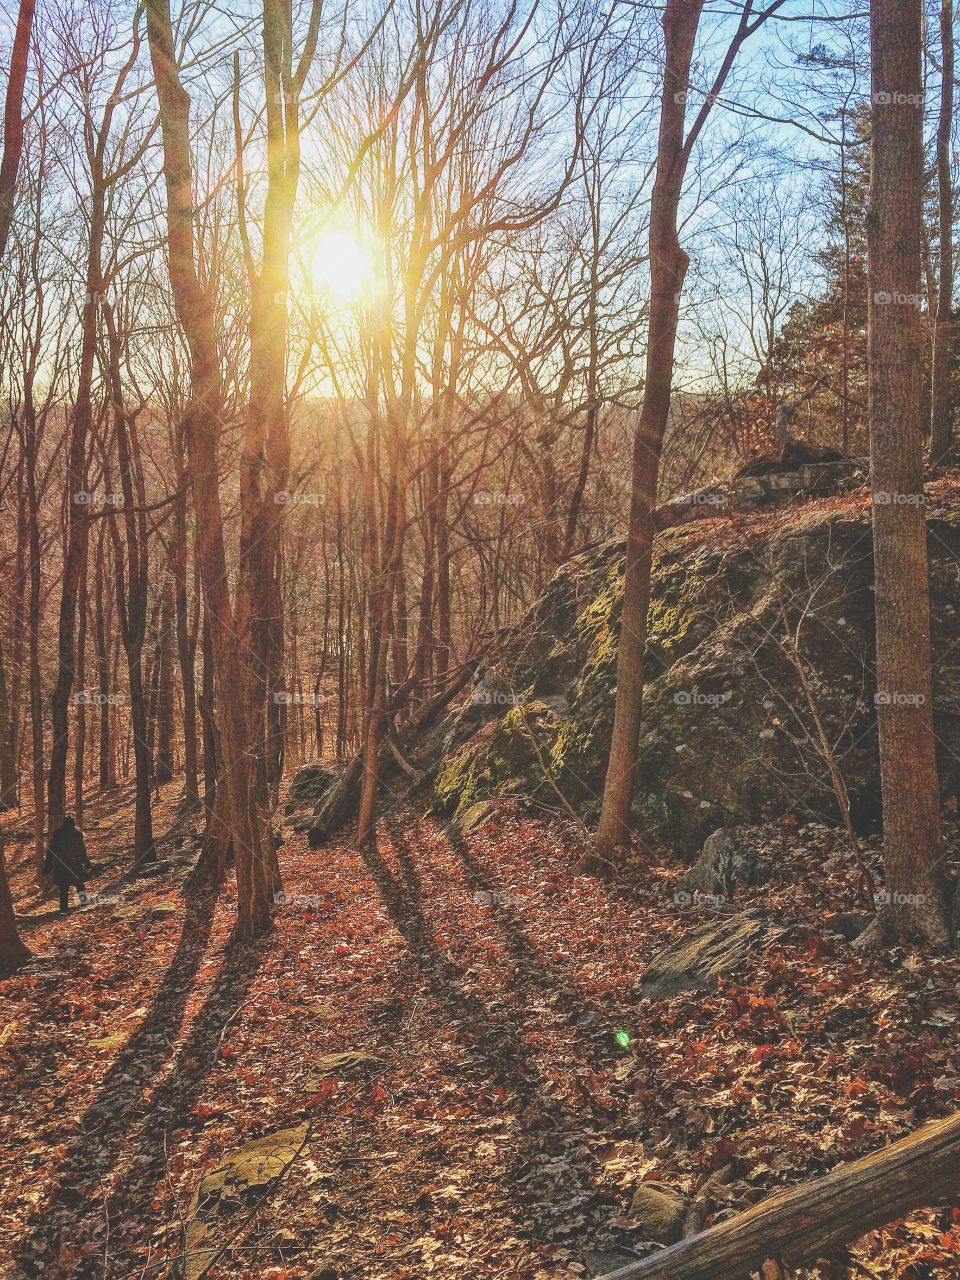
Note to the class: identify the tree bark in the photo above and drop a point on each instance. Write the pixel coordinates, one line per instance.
(668, 266)
(238, 790)
(14, 952)
(13, 119)
(805, 1223)
(915, 882)
(941, 402)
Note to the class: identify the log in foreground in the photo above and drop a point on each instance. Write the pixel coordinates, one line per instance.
(798, 1226)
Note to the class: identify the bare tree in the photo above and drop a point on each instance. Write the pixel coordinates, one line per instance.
(908, 767)
(944, 329)
(668, 267)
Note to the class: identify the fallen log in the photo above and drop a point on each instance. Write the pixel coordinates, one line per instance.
(343, 801)
(798, 1226)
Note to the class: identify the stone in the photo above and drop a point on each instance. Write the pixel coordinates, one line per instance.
(241, 1178)
(698, 959)
(310, 782)
(473, 817)
(331, 1066)
(724, 866)
(601, 1263)
(657, 1213)
(285, 1241)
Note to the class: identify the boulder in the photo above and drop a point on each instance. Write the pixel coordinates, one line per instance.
(716, 673)
(725, 866)
(698, 959)
(657, 1213)
(310, 782)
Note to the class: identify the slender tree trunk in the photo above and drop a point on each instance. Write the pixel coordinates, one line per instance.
(106, 764)
(908, 767)
(186, 644)
(77, 500)
(941, 400)
(13, 119)
(163, 769)
(238, 791)
(668, 266)
(206, 706)
(13, 950)
(80, 746)
(8, 742)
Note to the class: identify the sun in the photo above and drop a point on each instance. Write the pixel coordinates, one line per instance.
(341, 266)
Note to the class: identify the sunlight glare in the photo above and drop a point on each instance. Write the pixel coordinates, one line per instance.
(341, 267)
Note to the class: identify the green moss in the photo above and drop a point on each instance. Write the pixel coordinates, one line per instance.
(459, 783)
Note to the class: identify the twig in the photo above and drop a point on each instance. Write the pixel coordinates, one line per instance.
(244, 1223)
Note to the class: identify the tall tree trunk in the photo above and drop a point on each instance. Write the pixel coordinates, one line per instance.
(107, 776)
(13, 119)
(13, 950)
(908, 767)
(256, 859)
(668, 266)
(77, 500)
(163, 767)
(131, 579)
(8, 741)
(941, 400)
(80, 746)
(186, 642)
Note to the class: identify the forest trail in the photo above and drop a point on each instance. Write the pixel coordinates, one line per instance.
(515, 1092)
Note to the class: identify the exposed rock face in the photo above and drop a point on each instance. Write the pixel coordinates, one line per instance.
(716, 674)
(696, 961)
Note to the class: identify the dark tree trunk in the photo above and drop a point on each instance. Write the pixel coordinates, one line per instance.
(908, 767)
(944, 330)
(13, 950)
(668, 266)
(13, 119)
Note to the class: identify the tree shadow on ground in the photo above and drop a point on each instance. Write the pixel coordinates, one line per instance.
(128, 1108)
(493, 1035)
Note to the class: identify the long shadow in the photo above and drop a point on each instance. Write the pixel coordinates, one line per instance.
(96, 1139)
(495, 1047)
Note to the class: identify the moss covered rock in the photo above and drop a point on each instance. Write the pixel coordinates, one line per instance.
(727, 730)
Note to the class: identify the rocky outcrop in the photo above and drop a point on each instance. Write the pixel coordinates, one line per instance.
(242, 1178)
(726, 737)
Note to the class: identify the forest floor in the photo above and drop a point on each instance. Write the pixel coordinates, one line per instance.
(519, 1090)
